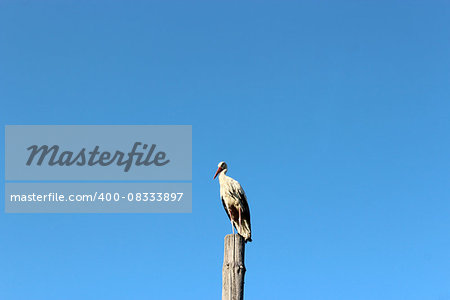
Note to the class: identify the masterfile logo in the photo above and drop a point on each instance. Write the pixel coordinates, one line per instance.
(55, 157)
(98, 169)
(98, 152)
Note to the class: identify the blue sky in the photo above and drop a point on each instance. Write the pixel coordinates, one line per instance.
(333, 116)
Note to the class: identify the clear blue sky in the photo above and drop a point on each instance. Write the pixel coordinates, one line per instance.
(333, 116)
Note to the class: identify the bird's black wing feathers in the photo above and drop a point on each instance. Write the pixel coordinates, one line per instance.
(244, 205)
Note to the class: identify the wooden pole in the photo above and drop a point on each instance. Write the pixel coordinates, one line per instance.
(233, 270)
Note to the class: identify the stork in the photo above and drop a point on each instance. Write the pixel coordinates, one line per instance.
(234, 202)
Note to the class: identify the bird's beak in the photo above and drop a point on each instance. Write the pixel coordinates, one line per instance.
(218, 171)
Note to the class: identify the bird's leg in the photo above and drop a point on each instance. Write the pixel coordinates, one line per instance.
(231, 220)
(240, 218)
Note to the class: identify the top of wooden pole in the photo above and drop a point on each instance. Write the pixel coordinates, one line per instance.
(233, 270)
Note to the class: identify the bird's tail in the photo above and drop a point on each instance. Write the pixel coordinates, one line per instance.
(245, 231)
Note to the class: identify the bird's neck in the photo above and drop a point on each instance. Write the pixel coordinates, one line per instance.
(222, 175)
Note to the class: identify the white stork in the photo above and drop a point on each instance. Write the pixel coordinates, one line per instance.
(234, 202)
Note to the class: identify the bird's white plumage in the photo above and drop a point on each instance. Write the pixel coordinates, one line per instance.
(235, 203)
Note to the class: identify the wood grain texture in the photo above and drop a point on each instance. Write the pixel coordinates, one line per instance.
(233, 270)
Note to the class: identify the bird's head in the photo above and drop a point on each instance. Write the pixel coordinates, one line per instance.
(222, 166)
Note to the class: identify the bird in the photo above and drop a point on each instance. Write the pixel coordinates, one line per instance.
(234, 202)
